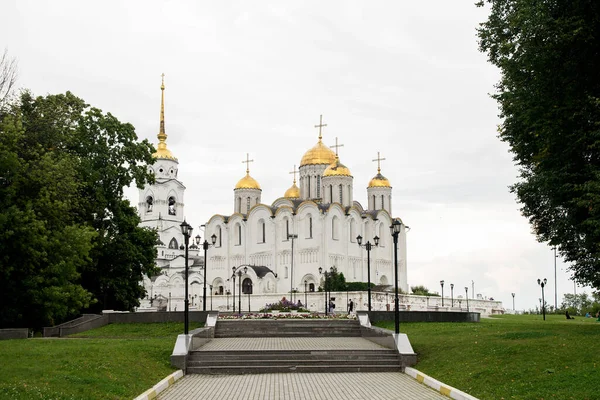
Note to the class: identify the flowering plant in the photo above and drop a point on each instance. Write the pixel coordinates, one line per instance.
(284, 305)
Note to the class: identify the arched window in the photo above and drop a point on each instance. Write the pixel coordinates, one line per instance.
(382, 205)
(149, 204)
(331, 193)
(238, 234)
(341, 195)
(309, 187)
(334, 228)
(221, 290)
(318, 186)
(218, 233)
(285, 275)
(309, 230)
(238, 206)
(173, 244)
(247, 205)
(247, 286)
(261, 231)
(311, 287)
(286, 233)
(172, 203)
(352, 230)
(374, 206)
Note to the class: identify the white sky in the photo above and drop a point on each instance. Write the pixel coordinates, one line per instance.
(402, 78)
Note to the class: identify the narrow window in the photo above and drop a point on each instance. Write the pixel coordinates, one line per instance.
(318, 186)
(239, 235)
(247, 205)
(287, 228)
(331, 193)
(309, 187)
(341, 199)
(382, 205)
(310, 227)
(264, 233)
(374, 207)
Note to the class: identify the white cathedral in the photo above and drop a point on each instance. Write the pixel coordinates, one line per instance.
(273, 249)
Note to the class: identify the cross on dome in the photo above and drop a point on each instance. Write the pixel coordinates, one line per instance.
(336, 146)
(379, 159)
(321, 125)
(247, 162)
(294, 172)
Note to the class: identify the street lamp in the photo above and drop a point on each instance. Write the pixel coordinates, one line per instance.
(467, 296)
(249, 292)
(325, 286)
(305, 288)
(211, 287)
(233, 298)
(395, 228)
(239, 274)
(542, 283)
(368, 246)
(513, 295)
(442, 283)
(292, 236)
(186, 230)
(227, 293)
(452, 293)
(205, 246)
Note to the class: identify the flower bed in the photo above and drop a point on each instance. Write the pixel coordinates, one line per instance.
(284, 305)
(286, 315)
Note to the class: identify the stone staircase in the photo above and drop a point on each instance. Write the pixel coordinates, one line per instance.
(331, 349)
(287, 328)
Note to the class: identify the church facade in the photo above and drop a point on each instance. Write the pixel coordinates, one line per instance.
(273, 248)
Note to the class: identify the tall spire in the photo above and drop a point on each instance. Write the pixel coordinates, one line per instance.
(162, 136)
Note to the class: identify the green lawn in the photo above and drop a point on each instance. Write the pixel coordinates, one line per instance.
(117, 361)
(511, 357)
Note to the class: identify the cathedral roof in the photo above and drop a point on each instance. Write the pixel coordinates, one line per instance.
(162, 151)
(293, 192)
(247, 182)
(379, 181)
(319, 154)
(337, 169)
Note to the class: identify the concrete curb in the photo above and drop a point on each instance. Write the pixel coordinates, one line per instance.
(160, 386)
(444, 389)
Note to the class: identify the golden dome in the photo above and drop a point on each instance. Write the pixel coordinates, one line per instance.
(337, 169)
(379, 181)
(163, 152)
(319, 154)
(293, 192)
(247, 182)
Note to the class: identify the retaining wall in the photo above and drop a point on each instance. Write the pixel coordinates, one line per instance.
(14, 333)
(425, 316)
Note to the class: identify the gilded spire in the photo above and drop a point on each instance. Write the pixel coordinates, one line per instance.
(162, 151)
(162, 136)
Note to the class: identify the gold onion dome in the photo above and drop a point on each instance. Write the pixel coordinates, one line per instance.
(162, 151)
(247, 182)
(379, 181)
(319, 154)
(293, 192)
(337, 169)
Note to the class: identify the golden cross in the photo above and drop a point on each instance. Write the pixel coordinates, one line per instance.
(336, 145)
(294, 172)
(321, 125)
(378, 159)
(247, 162)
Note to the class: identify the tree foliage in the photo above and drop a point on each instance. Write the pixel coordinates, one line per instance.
(548, 53)
(8, 77)
(335, 282)
(69, 240)
(421, 290)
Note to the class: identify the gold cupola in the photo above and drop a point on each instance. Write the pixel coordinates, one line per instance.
(337, 169)
(247, 182)
(162, 151)
(379, 180)
(293, 192)
(319, 153)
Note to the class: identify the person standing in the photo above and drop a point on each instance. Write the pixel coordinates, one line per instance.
(350, 306)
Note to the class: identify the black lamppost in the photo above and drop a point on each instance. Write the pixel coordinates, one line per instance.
(233, 298)
(325, 287)
(239, 274)
(305, 288)
(442, 283)
(205, 246)
(210, 286)
(227, 293)
(513, 295)
(467, 296)
(540, 300)
(452, 293)
(292, 236)
(395, 228)
(249, 292)
(542, 283)
(368, 246)
(186, 230)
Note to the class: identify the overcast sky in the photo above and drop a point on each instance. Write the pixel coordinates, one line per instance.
(402, 78)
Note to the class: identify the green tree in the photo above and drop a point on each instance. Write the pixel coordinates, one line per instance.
(548, 53)
(335, 282)
(421, 290)
(69, 239)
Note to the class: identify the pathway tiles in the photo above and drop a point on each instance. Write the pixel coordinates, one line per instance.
(296, 343)
(295, 386)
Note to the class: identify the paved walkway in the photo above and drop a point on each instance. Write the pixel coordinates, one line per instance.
(295, 386)
(295, 343)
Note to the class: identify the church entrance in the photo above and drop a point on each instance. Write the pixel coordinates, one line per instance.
(247, 286)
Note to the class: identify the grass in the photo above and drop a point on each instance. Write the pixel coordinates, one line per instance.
(117, 361)
(511, 356)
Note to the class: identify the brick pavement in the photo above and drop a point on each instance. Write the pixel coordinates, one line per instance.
(294, 386)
